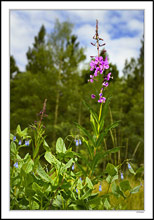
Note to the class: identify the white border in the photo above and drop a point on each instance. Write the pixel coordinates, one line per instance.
(147, 6)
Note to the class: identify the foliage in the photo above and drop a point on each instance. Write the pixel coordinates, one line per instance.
(56, 184)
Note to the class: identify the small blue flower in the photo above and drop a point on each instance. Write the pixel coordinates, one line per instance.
(19, 142)
(100, 188)
(129, 166)
(16, 165)
(80, 178)
(27, 143)
(73, 167)
(80, 142)
(14, 138)
(122, 176)
(76, 190)
(76, 143)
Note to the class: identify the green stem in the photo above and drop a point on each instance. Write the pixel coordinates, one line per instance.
(100, 113)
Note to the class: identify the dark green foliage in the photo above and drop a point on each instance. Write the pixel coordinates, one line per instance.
(52, 73)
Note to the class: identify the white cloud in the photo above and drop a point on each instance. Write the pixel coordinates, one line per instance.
(26, 24)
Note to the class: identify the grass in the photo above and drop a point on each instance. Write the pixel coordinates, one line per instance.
(133, 202)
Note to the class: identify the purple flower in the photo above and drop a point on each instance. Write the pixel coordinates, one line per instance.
(93, 96)
(100, 188)
(91, 80)
(16, 165)
(92, 64)
(27, 143)
(80, 178)
(14, 138)
(129, 166)
(105, 84)
(73, 167)
(100, 94)
(108, 76)
(102, 99)
(76, 190)
(19, 142)
(122, 177)
(106, 64)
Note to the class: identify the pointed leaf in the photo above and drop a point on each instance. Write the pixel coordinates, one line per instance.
(60, 146)
(88, 181)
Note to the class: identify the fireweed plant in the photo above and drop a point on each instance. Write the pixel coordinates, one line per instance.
(69, 180)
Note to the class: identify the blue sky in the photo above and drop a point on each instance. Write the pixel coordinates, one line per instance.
(121, 30)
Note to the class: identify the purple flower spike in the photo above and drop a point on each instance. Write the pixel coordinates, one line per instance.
(93, 96)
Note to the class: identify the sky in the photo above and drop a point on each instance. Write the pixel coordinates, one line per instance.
(122, 31)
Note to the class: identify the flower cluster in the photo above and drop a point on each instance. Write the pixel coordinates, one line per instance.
(98, 65)
(78, 142)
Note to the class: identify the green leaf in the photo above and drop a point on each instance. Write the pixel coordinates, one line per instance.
(60, 146)
(87, 145)
(85, 133)
(140, 170)
(18, 130)
(111, 169)
(131, 170)
(52, 159)
(57, 202)
(88, 181)
(135, 189)
(43, 174)
(80, 167)
(46, 146)
(124, 185)
(87, 194)
(34, 205)
(37, 188)
(92, 120)
(28, 166)
(13, 148)
(92, 111)
(79, 184)
(66, 166)
(24, 132)
(100, 139)
(113, 125)
(107, 204)
(117, 191)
